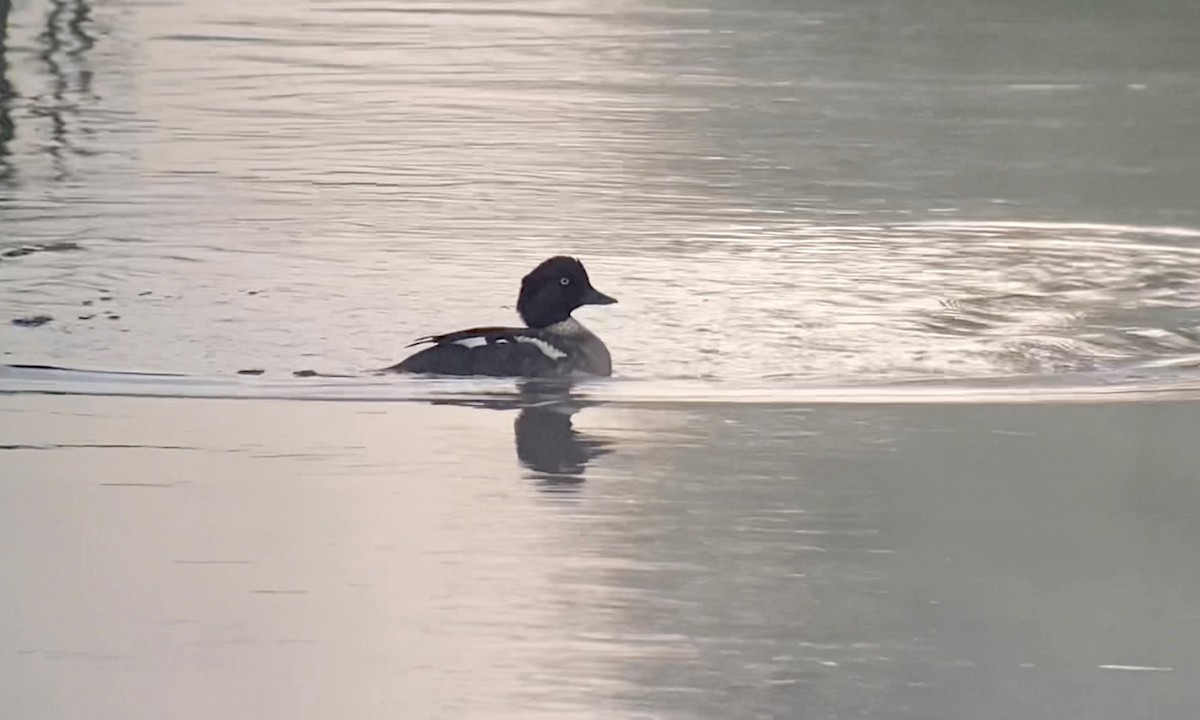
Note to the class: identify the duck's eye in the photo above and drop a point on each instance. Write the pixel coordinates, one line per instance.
(564, 281)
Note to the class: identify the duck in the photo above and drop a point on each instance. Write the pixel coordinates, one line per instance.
(553, 344)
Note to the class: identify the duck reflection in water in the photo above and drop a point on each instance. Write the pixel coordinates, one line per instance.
(548, 443)
(546, 440)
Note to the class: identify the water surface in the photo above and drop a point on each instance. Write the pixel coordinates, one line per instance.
(902, 422)
(199, 558)
(777, 193)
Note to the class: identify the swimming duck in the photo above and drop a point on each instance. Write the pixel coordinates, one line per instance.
(553, 344)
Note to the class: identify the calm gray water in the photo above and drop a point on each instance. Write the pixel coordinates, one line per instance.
(906, 359)
(194, 558)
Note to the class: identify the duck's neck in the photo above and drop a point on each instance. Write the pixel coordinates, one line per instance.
(594, 358)
(569, 328)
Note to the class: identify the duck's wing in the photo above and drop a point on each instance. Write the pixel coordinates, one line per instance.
(463, 335)
(499, 351)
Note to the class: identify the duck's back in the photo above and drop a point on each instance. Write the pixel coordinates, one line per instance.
(520, 352)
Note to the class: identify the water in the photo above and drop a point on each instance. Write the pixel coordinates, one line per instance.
(776, 194)
(905, 359)
(324, 559)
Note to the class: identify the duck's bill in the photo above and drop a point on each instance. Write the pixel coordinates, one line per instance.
(595, 297)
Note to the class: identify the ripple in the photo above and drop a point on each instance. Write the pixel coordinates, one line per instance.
(779, 303)
(1148, 384)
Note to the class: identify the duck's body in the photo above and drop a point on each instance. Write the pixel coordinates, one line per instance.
(560, 350)
(553, 345)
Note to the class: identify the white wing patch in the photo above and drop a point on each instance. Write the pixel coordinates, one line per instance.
(547, 349)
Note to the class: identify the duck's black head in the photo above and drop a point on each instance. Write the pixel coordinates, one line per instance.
(552, 291)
